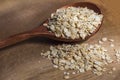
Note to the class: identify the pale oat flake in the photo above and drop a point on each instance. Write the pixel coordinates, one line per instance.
(111, 40)
(114, 69)
(66, 76)
(112, 45)
(104, 39)
(100, 42)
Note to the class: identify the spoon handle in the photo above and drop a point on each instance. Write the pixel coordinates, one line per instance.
(40, 31)
(14, 39)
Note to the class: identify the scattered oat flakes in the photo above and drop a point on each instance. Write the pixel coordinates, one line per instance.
(113, 68)
(100, 42)
(66, 76)
(111, 40)
(112, 45)
(104, 39)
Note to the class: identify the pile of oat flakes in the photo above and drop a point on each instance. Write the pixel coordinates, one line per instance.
(75, 23)
(81, 58)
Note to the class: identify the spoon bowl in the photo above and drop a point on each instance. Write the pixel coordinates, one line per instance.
(79, 4)
(43, 31)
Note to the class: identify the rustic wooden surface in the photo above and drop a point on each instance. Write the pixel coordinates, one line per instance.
(23, 61)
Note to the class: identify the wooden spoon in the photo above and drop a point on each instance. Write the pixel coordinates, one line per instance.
(44, 32)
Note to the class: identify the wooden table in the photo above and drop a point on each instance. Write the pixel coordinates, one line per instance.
(23, 61)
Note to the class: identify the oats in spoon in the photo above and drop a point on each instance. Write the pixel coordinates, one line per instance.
(74, 22)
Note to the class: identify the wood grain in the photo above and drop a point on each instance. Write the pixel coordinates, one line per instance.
(39, 31)
(23, 61)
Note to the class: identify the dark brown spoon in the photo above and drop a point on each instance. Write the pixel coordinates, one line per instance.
(44, 32)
